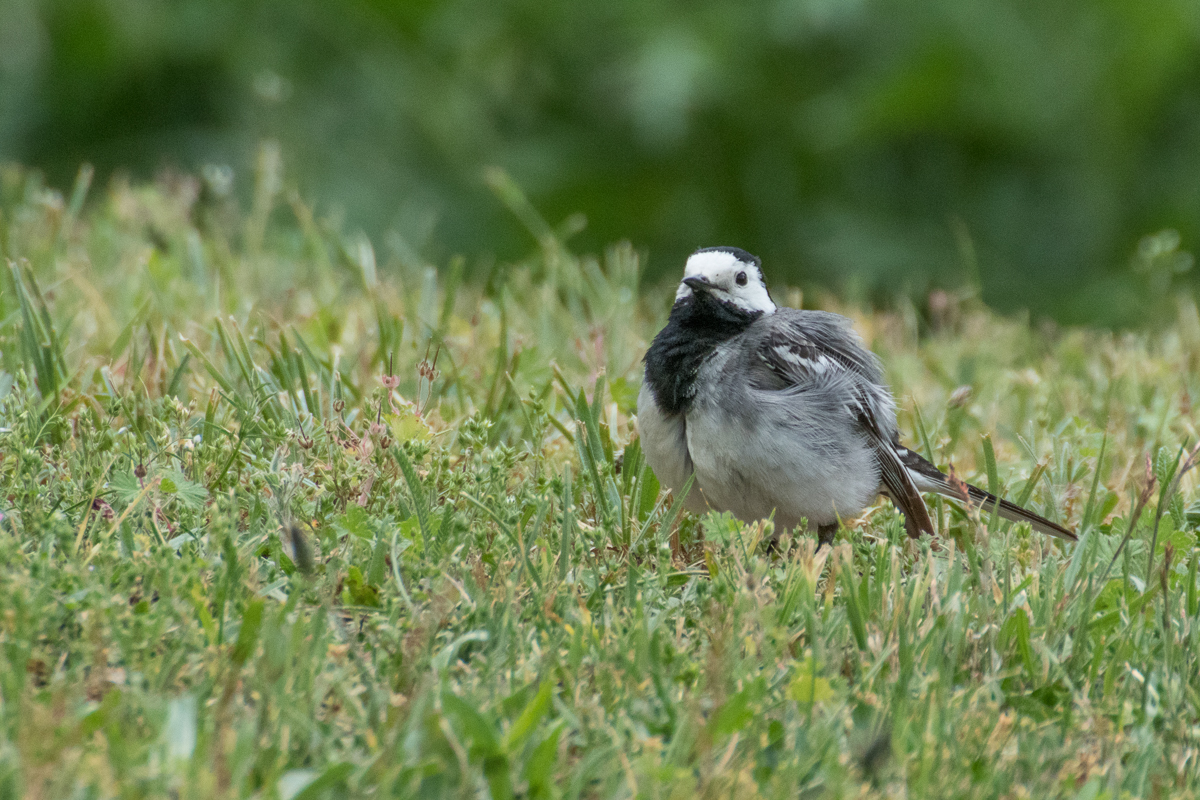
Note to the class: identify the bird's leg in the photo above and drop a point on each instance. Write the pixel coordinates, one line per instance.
(825, 534)
(774, 548)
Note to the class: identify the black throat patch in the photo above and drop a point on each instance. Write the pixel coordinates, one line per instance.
(696, 326)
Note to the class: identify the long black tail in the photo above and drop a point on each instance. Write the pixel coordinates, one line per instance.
(930, 479)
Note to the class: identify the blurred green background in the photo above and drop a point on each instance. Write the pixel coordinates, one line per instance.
(868, 146)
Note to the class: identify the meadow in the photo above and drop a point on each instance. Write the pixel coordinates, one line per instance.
(287, 514)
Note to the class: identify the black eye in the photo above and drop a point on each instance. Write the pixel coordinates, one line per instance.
(741, 279)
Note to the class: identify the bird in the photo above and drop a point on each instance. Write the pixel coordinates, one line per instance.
(781, 413)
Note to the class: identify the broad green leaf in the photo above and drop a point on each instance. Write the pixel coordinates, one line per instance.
(807, 687)
(530, 717)
(539, 769)
(358, 591)
(355, 522)
(736, 712)
(476, 731)
(248, 634)
(191, 494)
(333, 775)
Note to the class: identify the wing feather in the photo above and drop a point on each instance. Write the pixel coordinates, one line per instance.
(896, 479)
(804, 348)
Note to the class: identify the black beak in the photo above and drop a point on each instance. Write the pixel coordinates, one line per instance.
(698, 284)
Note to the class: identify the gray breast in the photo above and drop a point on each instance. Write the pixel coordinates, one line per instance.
(664, 443)
(761, 452)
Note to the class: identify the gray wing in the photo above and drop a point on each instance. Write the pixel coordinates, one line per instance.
(896, 478)
(800, 349)
(816, 340)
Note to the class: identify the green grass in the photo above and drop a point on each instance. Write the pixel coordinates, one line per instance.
(287, 516)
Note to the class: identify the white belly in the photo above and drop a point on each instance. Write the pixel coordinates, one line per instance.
(759, 462)
(756, 459)
(664, 444)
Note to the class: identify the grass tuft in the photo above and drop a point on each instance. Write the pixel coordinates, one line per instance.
(285, 516)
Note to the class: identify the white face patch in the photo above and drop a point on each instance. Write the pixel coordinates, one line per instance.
(732, 280)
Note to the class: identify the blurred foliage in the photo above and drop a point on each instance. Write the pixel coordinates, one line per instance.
(873, 146)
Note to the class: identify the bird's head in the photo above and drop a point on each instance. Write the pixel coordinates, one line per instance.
(728, 276)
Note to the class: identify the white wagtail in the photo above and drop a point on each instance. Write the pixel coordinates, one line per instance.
(780, 411)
